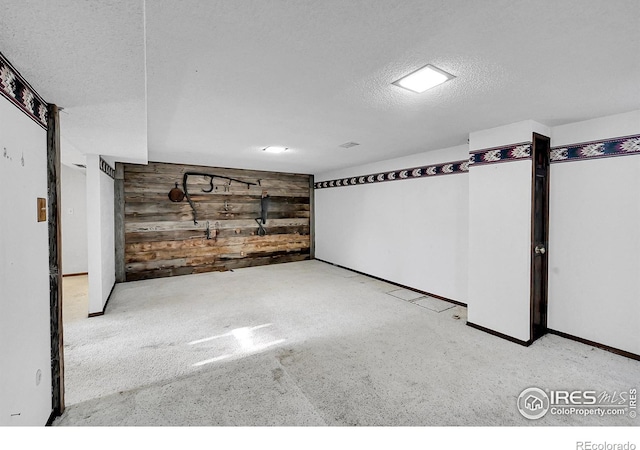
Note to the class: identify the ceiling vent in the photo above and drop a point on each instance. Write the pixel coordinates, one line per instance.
(349, 144)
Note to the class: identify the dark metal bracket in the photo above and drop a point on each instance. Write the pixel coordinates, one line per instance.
(264, 207)
(211, 177)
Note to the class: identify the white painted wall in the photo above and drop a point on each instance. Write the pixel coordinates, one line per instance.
(499, 247)
(594, 242)
(24, 272)
(500, 234)
(412, 232)
(73, 216)
(100, 233)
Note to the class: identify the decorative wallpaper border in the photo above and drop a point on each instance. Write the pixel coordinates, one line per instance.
(622, 146)
(106, 168)
(396, 175)
(512, 152)
(16, 89)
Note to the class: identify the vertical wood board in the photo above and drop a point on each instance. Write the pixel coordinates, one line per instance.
(161, 238)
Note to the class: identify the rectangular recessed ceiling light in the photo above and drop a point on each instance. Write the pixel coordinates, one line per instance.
(423, 79)
(275, 149)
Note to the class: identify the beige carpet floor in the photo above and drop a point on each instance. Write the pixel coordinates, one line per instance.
(311, 344)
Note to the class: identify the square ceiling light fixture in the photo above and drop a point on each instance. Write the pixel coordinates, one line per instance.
(275, 149)
(423, 79)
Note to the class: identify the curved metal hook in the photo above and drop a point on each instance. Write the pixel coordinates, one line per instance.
(186, 194)
(261, 230)
(210, 184)
(211, 177)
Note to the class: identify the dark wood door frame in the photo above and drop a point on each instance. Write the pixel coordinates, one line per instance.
(55, 258)
(540, 159)
(312, 217)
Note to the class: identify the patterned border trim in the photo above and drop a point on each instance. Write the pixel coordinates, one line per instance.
(15, 89)
(106, 168)
(628, 145)
(501, 154)
(402, 174)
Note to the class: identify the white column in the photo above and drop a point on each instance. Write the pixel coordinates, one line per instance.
(500, 233)
(100, 234)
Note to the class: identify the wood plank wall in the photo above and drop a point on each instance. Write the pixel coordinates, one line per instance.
(161, 239)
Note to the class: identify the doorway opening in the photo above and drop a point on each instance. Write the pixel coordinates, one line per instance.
(73, 220)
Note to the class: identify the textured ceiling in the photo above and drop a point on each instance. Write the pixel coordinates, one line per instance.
(226, 78)
(86, 56)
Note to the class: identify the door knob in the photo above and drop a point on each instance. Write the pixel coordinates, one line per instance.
(540, 250)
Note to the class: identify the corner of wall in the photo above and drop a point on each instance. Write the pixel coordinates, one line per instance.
(100, 234)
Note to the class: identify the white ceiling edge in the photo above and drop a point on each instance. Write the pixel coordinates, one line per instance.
(278, 162)
(121, 132)
(617, 125)
(111, 159)
(80, 169)
(511, 133)
(437, 156)
(70, 155)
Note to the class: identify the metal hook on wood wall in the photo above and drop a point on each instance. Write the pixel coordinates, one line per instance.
(210, 184)
(211, 176)
(264, 207)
